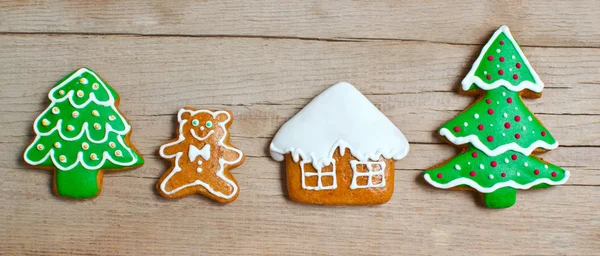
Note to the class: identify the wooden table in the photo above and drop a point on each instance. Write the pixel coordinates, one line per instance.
(265, 60)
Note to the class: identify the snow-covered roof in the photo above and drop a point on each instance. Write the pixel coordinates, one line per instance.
(339, 117)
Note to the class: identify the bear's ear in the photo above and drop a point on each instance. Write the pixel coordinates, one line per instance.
(223, 116)
(183, 114)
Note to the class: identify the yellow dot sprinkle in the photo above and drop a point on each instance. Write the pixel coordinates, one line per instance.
(62, 159)
(112, 144)
(85, 146)
(57, 144)
(83, 80)
(111, 117)
(80, 93)
(95, 113)
(118, 153)
(75, 114)
(97, 126)
(55, 110)
(94, 157)
(61, 92)
(95, 86)
(45, 122)
(40, 146)
(70, 128)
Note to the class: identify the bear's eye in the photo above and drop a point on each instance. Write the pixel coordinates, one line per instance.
(209, 124)
(195, 122)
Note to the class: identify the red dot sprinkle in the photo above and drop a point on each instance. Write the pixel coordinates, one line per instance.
(472, 173)
(490, 138)
(501, 59)
(518, 65)
(543, 133)
(517, 136)
(490, 111)
(500, 72)
(515, 76)
(509, 100)
(536, 172)
(553, 174)
(507, 125)
(474, 154)
(517, 118)
(456, 129)
(488, 101)
(490, 58)
(503, 175)
(480, 127)
(440, 175)
(514, 157)
(501, 42)
(493, 164)
(488, 77)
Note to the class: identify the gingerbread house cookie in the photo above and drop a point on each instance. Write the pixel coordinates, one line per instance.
(339, 150)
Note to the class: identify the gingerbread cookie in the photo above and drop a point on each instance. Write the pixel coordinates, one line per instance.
(497, 133)
(201, 157)
(339, 150)
(82, 134)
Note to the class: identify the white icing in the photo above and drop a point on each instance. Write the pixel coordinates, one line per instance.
(339, 117)
(195, 152)
(320, 174)
(471, 79)
(473, 139)
(222, 162)
(369, 174)
(510, 183)
(69, 96)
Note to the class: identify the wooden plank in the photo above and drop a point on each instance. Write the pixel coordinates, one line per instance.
(129, 220)
(539, 22)
(265, 82)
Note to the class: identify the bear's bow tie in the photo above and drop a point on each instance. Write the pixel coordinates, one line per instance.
(195, 152)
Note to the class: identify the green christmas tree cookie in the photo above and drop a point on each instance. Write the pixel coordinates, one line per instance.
(498, 133)
(81, 134)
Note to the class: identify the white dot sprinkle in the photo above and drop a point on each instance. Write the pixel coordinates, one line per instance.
(465, 124)
(506, 160)
(513, 57)
(498, 66)
(497, 102)
(112, 144)
(83, 80)
(524, 128)
(97, 126)
(485, 72)
(546, 166)
(469, 163)
(492, 125)
(503, 93)
(40, 146)
(111, 117)
(503, 134)
(530, 119)
(510, 69)
(80, 93)
(526, 164)
(481, 166)
(95, 86)
(476, 116)
(518, 174)
(61, 92)
(45, 122)
(457, 167)
(75, 114)
(491, 176)
(57, 144)
(498, 50)
(62, 158)
(505, 115)
(55, 110)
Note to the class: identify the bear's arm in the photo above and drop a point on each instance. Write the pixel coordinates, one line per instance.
(231, 154)
(172, 148)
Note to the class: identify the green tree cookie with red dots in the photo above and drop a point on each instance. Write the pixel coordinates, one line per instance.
(498, 133)
(81, 134)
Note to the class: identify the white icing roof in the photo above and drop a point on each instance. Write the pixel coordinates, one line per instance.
(339, 117)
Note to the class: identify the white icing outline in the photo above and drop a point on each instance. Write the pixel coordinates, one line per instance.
(222, 162)
(369, 174)
(85, 129)
(474, 140)
(471, 79)
(510, 183)
(319, 175)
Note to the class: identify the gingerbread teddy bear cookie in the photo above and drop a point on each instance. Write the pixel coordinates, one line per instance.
(201, 157)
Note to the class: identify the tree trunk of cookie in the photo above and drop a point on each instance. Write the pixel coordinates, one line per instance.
(501, 198)
(77, 182)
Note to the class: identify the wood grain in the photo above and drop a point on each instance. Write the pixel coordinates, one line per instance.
(538, 22)
(264, 74)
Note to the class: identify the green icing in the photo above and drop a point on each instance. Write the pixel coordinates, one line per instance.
(81, 139)
(501, 198)
(528, 129)
(504, 64)
(476, 166)
(77, 183)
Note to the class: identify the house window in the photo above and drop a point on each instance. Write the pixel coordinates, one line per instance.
(318, 179)
(367, 174)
